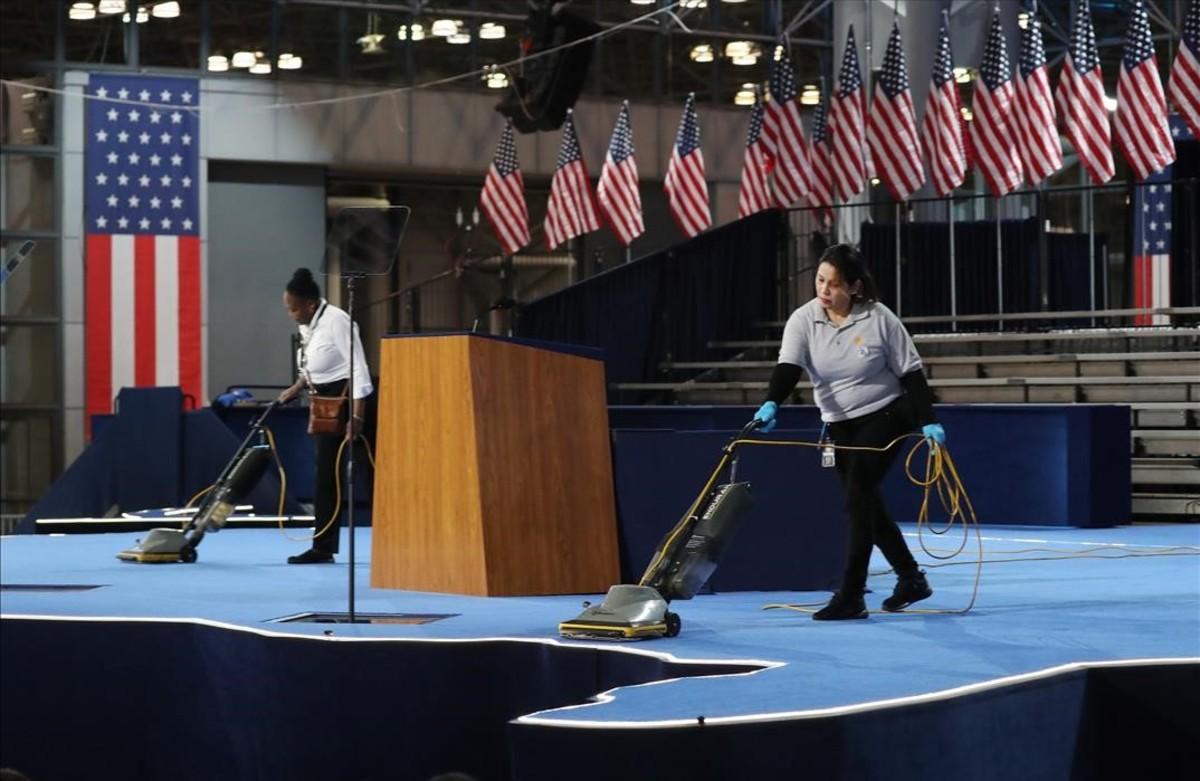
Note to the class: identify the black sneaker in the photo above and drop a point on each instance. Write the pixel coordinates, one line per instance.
(311, 556)
(843, 606)
(909, 589)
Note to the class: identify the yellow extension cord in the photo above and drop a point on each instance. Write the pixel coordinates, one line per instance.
(337, 481)
(940, 474)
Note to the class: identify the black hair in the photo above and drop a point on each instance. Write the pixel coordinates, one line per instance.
(302, 285)
(849, 264)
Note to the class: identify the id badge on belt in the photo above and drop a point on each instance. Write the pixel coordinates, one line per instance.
(828, 459)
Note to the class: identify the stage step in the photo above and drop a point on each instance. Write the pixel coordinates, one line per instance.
(1183, 473)
(1175, 507)
(1166, 442)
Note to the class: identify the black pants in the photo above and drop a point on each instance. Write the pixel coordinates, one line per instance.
(861, 473)
(325, 487)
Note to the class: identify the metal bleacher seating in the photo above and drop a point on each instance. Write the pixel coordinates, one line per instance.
(1153, 369)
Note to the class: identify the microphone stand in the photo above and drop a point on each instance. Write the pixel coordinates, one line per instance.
(351, 278)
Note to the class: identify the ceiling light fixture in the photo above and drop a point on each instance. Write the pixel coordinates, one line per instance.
(491, 31)
(642, 2)
(81, 12)
(963, 75)
(110, 7)
(744, 97)
(168, 10)
(702, 52)
(445, 27)
(415, 29)
(695, 3)
(967, 115)
(143, 16)
(496, 80)
(810, 95)
(260, 68)
(1023, 20)
(290, 62)
(243, 59)
(459, 37)
(218, 63)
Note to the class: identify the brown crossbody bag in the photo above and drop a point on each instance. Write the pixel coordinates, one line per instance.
(326, 414)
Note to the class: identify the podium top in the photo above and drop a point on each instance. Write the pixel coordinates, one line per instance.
(578, 350)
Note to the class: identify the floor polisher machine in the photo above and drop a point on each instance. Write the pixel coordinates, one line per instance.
(682, 563)
(237, 479)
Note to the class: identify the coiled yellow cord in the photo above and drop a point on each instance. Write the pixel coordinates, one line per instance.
(940, 475)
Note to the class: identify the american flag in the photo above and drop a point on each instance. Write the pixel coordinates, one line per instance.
(571, 211)
(503, 196)
(620, 201)
(755, 193)
(687, 192)
(143, 276)
(941, 129)
(1037, 129)
(846, 125)
(820, 196)
(892, 126)
(1152, 247)
(992, 135)
(1185, 73)
(1141, 117)
(1081, 99)
(783, 135)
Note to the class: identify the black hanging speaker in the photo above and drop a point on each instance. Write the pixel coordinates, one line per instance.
(539, 99)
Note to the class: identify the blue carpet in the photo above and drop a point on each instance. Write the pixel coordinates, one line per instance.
(1047, 598)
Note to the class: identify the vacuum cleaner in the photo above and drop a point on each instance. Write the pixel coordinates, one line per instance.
(683, 562)
(237, 479)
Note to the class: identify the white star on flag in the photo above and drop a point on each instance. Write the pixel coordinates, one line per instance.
(165, 96)
(102, 93)
(101, 136)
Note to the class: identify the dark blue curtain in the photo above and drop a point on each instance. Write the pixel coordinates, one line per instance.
(669, 305)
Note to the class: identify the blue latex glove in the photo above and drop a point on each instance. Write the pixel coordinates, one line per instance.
(934, 432)
(766, 416)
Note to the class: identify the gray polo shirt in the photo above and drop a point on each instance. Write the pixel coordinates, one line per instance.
(855, 368)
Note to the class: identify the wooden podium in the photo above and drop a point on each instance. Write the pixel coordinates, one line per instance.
(493, 469)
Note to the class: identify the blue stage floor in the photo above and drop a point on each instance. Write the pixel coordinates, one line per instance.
(1047, 598)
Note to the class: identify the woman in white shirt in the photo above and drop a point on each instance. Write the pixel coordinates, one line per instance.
(324, 359)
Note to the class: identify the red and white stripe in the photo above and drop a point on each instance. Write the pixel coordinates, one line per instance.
(620, 201)
(892, 137)
(571, 210)
(1037, 131)
(754, 195)
(941, 130)
(1151, 287)
(783, 135)
(142, 319)
(687, 192)
(992, 138)
(846, 135)
(820, 196)
(1185, 72)
(1085, 120)
(1140, 121)
(503, 203)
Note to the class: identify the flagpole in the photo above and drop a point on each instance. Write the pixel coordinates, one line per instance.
(1091, 256)
(999, 266)
(899, 303)
(953, 263)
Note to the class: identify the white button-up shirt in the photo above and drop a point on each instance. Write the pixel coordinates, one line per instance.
(324, 350)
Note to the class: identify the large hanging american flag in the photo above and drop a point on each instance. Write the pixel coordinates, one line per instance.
(783, 134)
(1152, 247)
(620, 201)
(820, 196)
(571, 211)
(941, 129)
(1081, 99)
(143, 275)
(686, 189)
(846, 125)
(892, 126)
(755, 192)
(1141, 117)
(992, 136)
(503, 196)
(1185, 72)
(1037, 129)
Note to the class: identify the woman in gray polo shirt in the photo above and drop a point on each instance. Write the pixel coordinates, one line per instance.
(870, 387)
